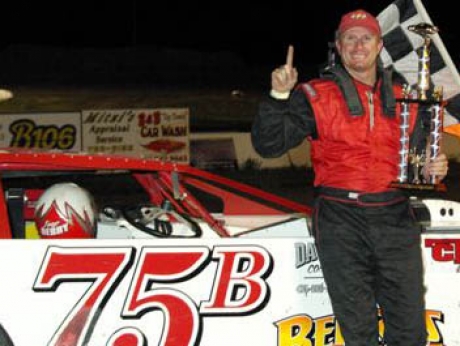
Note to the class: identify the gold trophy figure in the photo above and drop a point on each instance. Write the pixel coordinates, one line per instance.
(410, 156)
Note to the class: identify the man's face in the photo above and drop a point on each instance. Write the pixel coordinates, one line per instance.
(359, 49)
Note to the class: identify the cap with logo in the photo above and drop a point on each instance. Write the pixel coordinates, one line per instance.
(359, 18)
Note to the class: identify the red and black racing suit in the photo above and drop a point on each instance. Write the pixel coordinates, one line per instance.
(367, 240)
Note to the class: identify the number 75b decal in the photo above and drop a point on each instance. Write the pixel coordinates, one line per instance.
(239, 288)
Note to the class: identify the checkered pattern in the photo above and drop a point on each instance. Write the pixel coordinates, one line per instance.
(400, 51)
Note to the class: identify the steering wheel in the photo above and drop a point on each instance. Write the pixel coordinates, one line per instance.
(159, 221)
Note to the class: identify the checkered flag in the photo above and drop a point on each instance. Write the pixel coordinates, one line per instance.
(400, 51)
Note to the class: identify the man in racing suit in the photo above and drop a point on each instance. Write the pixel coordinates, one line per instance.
(367, 240)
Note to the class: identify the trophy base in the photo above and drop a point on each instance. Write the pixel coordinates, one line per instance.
(419, 187)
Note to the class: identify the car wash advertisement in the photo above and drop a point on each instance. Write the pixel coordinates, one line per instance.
(150, 133)
(176, 292)
(161, 133)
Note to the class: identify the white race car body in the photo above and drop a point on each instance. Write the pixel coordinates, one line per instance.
(183, 257)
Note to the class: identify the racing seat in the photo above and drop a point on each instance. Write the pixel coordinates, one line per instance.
(21, 207)
(15, 204)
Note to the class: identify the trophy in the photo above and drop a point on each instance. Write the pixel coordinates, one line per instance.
(412, 160)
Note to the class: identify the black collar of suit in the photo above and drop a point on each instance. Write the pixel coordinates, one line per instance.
(339, 75)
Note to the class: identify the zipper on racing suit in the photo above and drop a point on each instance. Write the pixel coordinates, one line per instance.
(370, 101)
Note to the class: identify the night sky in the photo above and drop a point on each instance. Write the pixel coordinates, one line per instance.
(258, 32)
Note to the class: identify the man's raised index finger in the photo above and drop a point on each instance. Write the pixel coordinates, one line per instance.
(290, 56)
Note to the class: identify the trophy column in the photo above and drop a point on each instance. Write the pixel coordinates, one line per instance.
(436, 130)
(403, 166)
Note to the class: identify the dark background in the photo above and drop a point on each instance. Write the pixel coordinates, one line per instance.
(257, 32)
(187, 43)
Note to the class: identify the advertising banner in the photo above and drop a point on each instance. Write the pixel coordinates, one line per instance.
(161, 133)
(50, 131)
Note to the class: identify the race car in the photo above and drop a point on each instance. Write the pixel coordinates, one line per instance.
(131, 195)
(118, 250)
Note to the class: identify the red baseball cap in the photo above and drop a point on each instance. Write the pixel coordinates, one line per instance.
(359, 18)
